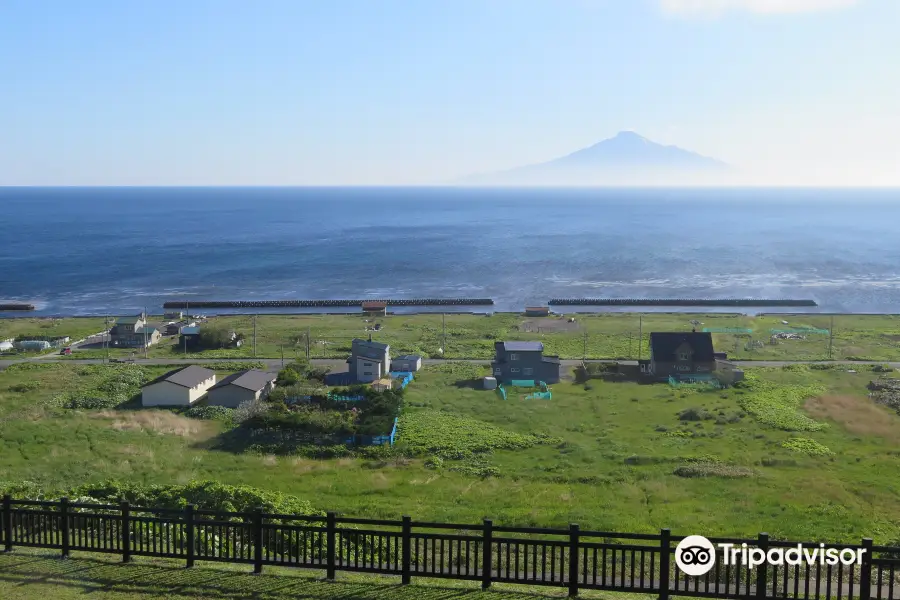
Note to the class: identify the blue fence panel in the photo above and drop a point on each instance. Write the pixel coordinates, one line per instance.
(394, 430)
(405, 376)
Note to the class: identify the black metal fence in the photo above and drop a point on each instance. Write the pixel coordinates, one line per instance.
(568, 558)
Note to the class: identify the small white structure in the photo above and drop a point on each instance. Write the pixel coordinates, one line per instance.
(33, 345)
(408, 363)
(490, 383)
(6, 345)
(179, 388)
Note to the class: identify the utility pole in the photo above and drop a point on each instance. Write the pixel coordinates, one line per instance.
(308, 333)
(254, 336)
(144, 327)
(831, 339)
(640, 335)
(443, 336)
(630, 346)
(106, 337)
(282, 355)
(584, 348)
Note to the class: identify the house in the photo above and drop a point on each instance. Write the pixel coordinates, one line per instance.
(189, 337)
(537, 311)
(173, 328)
(134, 332)
(407, 363)
(244, 386)
(517, 361)
(383, 385)
(178, 388)
(374, 307)
(681, 355)
(177, 316)
(369, 361)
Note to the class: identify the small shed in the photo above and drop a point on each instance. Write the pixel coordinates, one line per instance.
(537, 311)
(407, 363)
(383, 385)
(490, 383)
(374, 307)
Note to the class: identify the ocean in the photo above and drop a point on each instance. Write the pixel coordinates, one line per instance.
(95, 251)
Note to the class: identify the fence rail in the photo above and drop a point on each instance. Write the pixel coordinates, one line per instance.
(568, 558)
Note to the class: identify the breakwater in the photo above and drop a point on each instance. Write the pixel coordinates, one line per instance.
(678, 302)
(325, 303)
(16, 306)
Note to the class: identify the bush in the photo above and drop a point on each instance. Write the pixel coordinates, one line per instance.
(807, 446)
(434, 462)
(695, 414)
(250, 410)
(27, 386)
(712, 469)
(92, 402)
(210, 413)
(287, 376)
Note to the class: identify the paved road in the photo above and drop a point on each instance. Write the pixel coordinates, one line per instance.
(338, 365)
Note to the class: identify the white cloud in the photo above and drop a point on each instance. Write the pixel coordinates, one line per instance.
(765, 7)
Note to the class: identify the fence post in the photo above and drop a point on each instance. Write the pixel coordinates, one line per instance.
(573, 559)
(330, 531)
(257, 540)
(189, 521)
(665, 543)
(125, 510)
(487, 565)
(64, 525)
(865, 571)
(7, 523)
(406, 567)
(762, 571)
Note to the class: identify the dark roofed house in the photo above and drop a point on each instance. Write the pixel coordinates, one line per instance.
(251, 385)
(181, 387)
(681, 355)
(369, 361)
(518, 361)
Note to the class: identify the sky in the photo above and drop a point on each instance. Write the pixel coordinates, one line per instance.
(394, 92)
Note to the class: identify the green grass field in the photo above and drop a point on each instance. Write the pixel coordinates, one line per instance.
(604, 335)
(29, 575)
(616, 456)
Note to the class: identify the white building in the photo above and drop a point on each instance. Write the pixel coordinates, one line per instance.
(179, 388)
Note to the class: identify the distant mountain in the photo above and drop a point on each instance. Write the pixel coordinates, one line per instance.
(626, 159)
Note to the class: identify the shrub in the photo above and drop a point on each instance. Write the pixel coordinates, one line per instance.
(434, 462)
(210, 413)
(287, 376)
(712, 469)
(807, 446)
(249, 410)
(695, 414)
(25, 387)
(91, 402)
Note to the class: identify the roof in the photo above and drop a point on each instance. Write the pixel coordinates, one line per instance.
(374, 304)
(523, 346)
(128, 320)
(538, 308)
(665, 344)
(365, 345)
(251, 379)
(550, 359)
(408, 357)
(187, 377)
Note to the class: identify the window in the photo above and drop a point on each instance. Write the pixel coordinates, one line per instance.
(367, 372)
(683, 368)
(527, 371)
(684, 356)
(514, 370)
(497, 372)
(513, 357)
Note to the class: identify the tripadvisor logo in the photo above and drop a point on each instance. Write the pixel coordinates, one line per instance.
(695, 555)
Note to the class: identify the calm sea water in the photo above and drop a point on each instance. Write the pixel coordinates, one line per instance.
(115, 250)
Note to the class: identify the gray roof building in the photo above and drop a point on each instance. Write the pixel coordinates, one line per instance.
(188, 377)
(251, 379)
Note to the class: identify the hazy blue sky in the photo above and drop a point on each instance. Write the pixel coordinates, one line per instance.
(419, 91)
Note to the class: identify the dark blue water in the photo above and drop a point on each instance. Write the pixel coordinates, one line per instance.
(94, 251)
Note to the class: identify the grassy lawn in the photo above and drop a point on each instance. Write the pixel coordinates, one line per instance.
(615, 456)
(602, 335)
(27, 575)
